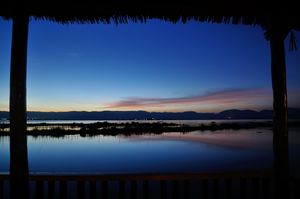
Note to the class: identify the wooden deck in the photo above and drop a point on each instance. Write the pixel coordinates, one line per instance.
(123, 186)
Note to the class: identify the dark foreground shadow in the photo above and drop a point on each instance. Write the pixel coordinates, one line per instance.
(235, 185)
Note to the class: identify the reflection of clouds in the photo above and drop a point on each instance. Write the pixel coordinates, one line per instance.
(224, 97)
(242, 139)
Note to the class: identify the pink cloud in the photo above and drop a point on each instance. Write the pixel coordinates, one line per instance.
(224, 97)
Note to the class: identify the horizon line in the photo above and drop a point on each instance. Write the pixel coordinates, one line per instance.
(154, 111)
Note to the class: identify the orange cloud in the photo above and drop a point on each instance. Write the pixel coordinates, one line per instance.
(224, 97)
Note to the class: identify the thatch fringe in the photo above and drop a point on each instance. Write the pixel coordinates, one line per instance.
(141, 18)
(122, 13)
(293, 41)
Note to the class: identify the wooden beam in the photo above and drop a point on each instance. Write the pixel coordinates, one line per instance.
(146, 176)
(18, 63)
(277, 33)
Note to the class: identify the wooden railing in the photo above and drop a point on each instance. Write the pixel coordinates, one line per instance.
(196, 185)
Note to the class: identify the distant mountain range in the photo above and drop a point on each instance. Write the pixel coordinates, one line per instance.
(294, 113)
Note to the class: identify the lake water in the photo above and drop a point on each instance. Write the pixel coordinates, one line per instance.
(186, 122)
(198, 151)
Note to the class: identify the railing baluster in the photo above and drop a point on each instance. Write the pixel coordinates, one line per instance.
(204, 189)
(39, 188)
(243, 188)
(266, 188)
(51, 189)
(258, 185)
(216, 188)
(175, 189)
(228, 188)
(255, 188)
(104, 189)
(186, 189)
(163, 189)
(1, 188)
(145, 189)
(133, 189)
(63, 189)
(80, 189)
(122, 189)
(297, 188)
(93, 189)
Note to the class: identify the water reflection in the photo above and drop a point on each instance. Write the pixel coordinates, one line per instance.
(168, 152)
(246, 139)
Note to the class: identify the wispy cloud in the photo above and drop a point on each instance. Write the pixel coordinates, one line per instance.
(223, 97)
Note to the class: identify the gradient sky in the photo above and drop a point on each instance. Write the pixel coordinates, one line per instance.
(157, 66)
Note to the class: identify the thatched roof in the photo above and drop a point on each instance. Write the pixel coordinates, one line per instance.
(121, 11)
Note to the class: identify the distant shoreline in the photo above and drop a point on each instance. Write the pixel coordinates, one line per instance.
(234, 114)
(132, 128)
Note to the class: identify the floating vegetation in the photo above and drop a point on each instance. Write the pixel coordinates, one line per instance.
(130, 128)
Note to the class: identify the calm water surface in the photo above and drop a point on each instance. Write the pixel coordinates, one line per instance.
(169, 152)
(187, 122)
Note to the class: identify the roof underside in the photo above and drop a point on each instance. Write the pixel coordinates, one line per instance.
(66, 11)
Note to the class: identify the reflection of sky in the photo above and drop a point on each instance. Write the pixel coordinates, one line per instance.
(241, 139)
(4, 154)
(174, 152)
(153, 154)
(156, 66)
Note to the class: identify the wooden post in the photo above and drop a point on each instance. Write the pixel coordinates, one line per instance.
(280, 117)
(104, 189)
(63, 189)
(18, 137)
(175, 188)
(39, 189)
(51, 189)
(17, 106)
(81, 189)
(145, 189)
(1, 188)
(93, 189)
(122, 188)
(133, 189)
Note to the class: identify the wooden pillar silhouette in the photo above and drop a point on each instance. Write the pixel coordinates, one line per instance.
(17, 106)
(277, 33)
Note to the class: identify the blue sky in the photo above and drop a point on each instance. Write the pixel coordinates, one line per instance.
(157, 66)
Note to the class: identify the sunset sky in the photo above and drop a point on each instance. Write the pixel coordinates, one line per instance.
(157, 66)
